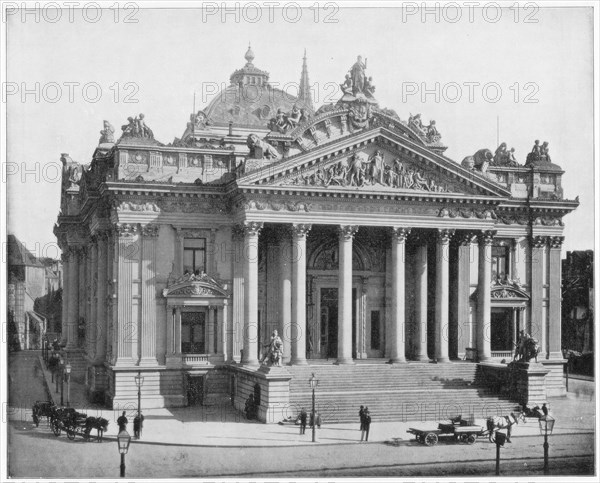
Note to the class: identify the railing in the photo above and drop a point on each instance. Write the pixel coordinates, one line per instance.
(193, 359)
(502, 354)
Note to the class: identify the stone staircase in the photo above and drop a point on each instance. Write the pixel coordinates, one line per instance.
(413, 391)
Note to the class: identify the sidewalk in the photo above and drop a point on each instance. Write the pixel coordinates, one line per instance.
(215, 426)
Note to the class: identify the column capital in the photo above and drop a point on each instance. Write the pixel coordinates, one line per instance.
(150, 230)
(126, 230)
(347, 232)
(538, 241)
(400, 233)
(556, 241)
(252, 228)
(463, 238)
(444, 235)
(300, 230)
(486, 237)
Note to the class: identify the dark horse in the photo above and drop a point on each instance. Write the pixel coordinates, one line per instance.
(100, 424)
(43, 408)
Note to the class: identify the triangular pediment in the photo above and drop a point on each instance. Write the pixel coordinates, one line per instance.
(373, 160)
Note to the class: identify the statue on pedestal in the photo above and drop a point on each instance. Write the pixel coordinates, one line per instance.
(107, 133)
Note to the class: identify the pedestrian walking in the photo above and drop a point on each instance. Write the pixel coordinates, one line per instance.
(122, 422)
(366, 425)
(303, 418)
(361, 413)
(138, 424)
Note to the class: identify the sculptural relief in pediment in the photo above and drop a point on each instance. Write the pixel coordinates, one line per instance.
(373, 168)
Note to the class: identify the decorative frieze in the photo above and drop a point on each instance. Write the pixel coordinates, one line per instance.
(485, 214)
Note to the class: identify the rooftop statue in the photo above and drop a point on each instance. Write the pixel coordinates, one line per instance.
(137, 128)
(479, 161)
(283, 122)
(539, 153)
(107, 133)
(504, 157)
(260, 149)
(358, 76)
(433, 135)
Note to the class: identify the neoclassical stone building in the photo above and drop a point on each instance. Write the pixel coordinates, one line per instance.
(346, 229)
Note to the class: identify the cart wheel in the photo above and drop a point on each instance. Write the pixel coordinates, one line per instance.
(70, 433)
(471, 439)
(431, 439)
(463, 438)
(55, 428)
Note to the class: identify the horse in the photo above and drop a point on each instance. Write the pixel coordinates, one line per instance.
(99, 424)
(494, 423)
(43, 408)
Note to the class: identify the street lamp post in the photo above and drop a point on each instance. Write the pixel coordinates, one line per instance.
(62, 381)
(123, 440)
(546, 427)
(314, 382)
(139, 381)
(68, 371)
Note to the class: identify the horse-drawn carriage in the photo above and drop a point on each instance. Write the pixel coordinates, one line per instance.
(458, 429)
(463, 432)
(69, 420)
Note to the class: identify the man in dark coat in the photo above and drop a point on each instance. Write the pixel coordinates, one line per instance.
(122, 422)
(366, 425)
(138, 424)
(303, 418)
(361, 413)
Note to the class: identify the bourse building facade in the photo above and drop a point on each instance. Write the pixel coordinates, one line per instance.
(345, 228)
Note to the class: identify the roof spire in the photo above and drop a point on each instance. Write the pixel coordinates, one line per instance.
(304, 89)
(249, 54)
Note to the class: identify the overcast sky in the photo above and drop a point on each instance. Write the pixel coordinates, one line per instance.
(532, 70)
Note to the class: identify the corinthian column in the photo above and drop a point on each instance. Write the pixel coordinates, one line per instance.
(65, 294)
(554, 309)
(251, 232)
(285, 273)
(346, 235)
(299, 233)
(101, 299)
(484, 295)
(149, 236)
(398, 293)
(441, 294)
(73, 299)
(421, 301)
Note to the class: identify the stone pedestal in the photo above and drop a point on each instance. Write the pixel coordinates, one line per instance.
(274, 384)
(530, 382)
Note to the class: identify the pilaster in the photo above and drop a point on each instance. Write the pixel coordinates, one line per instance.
(149, 239)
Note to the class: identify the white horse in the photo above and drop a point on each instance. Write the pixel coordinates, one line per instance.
(494, 423)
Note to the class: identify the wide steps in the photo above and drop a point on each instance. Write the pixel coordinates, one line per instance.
(398, 392)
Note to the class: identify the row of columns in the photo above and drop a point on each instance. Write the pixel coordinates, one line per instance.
(294, 287)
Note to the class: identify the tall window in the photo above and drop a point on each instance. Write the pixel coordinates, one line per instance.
(194, 255)
(500, 262)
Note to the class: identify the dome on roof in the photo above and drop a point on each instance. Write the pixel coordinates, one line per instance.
(250, 101)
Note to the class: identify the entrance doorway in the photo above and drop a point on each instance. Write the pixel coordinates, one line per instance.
(195, 390)
(502, 330)
(329, 322)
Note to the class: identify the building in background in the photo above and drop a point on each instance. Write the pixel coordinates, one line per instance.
(30, 280)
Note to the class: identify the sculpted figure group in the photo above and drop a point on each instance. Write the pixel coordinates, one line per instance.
(504, 156)
(539, 153)
(137, 128)
(356, 82)
(430, 132)
(283, 122)
(359, 171)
